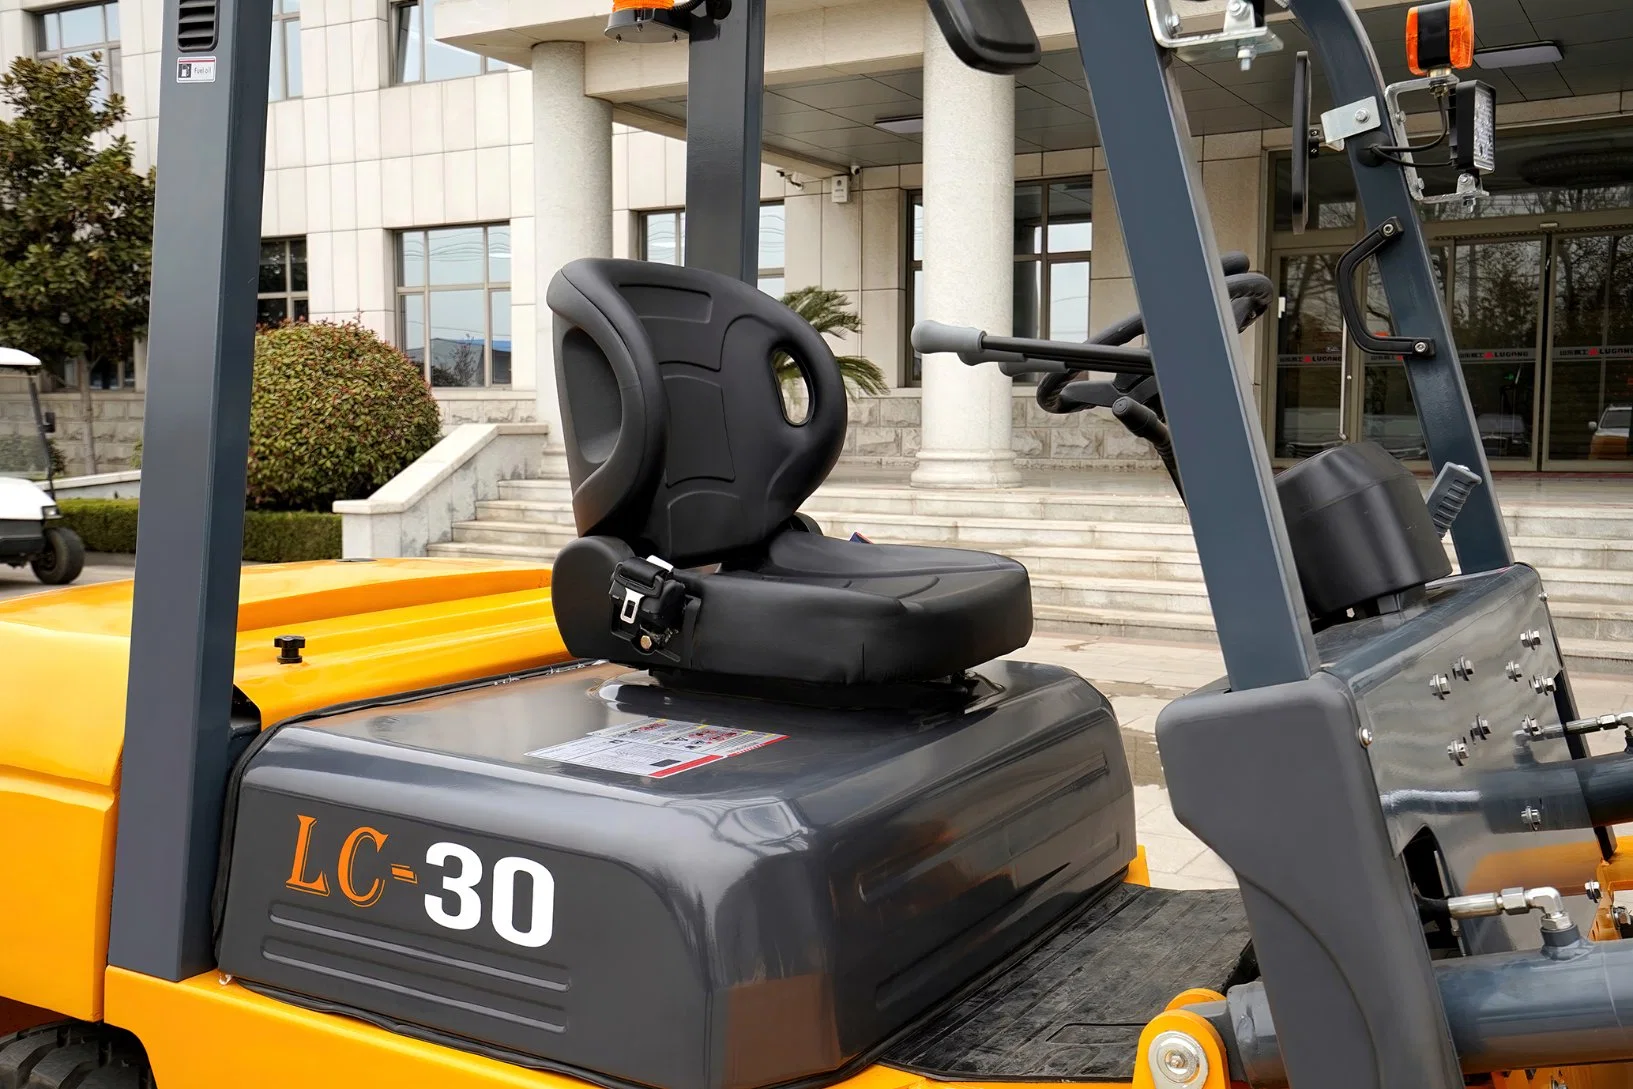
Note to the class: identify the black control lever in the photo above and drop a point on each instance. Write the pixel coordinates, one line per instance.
(1024, 355)
(1143, 423)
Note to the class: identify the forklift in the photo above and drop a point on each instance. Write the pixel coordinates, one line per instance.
(720, 802)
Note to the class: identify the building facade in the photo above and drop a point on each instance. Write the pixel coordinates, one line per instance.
(430, 164)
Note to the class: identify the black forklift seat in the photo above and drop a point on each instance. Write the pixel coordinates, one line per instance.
(687, 473)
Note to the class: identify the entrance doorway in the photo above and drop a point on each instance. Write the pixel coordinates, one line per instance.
(1537, 282)
(1544, 327)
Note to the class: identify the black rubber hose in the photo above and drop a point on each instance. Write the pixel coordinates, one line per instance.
(1145, 424)
(1607, 787)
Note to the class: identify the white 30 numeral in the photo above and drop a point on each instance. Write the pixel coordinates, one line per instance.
(462, 885)
(538, 930)
(506, 872)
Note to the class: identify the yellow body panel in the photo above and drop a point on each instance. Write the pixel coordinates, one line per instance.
(371, 628)
(203, 1034)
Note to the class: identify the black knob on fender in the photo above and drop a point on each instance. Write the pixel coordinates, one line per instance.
(289, 648)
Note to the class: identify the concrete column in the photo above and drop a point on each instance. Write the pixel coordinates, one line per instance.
(969, 199)
(572, 194)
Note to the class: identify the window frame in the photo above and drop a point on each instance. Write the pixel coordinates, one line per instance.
(108, 48)
(397, 26)
(1045, 259)
(284, 12)
(290, 294)
(763, 273)
(488, 286)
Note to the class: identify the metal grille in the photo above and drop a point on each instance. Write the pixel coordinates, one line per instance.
(196, 26)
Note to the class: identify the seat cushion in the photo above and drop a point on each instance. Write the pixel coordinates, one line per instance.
(830, 611)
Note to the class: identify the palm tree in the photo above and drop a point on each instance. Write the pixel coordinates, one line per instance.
(828, 311)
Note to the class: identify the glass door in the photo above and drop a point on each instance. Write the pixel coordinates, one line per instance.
(1590, 354)
(1496, 314)
(1311, 398)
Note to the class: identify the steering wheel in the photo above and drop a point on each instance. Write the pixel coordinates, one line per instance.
(1250, 294)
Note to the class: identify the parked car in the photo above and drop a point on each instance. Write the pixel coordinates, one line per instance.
(1610, 434)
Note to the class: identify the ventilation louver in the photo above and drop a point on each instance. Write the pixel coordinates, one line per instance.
(196, 26)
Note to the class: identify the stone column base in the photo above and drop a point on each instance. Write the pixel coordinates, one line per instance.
(965, 469)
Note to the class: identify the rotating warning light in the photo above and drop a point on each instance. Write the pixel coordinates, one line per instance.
(647, 21)
(1439, 36)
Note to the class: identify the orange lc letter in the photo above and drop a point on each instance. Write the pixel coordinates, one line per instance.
(348, 854)
(303, 842)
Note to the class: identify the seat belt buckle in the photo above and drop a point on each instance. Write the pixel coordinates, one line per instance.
(649, 602)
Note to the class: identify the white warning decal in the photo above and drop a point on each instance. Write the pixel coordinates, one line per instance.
(656, 747)
(195, 69)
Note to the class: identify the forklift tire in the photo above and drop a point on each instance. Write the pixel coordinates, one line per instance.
(60, 564)
(73, 1055)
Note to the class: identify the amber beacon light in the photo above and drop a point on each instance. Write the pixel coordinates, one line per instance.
(647, 21)
(1439, 36)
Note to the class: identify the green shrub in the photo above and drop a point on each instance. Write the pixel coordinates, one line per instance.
(105, 525)
(287, 536)
(109, 525)
(336, 412)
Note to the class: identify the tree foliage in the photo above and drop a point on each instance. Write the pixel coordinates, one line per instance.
(335, 413)
(830, 312)
(76, 221)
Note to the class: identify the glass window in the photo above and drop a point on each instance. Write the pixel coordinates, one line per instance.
(90, 32)
(284, 74)
(281, 284)
(1054, 235)
(663, 241)
(418, 57)
(453, 305)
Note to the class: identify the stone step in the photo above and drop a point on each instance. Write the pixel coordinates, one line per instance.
(1592, 656)
(1588, 587)
(1109, 563)
(544, 512)
(1124, 624)
(1003, 534)
(541, 536)
(1124, 595)
(1568, 553)
(549, 488)
(552, 511)
(1030, 504)
(491, 551)
(1582, 522)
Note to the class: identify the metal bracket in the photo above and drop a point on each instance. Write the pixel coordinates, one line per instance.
(1243, 37)
(1341, 122)
(1469, 187)
(1379, 237)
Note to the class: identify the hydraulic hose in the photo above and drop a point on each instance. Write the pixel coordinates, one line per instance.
(1568, 1004)
(1145, 424)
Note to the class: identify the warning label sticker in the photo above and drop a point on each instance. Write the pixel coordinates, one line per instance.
(195, 69)
(656, 747)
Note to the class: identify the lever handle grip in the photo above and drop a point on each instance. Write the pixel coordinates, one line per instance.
(933, 336)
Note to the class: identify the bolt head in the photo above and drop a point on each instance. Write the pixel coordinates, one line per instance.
(1365, 734)
(1362, 115)
(1178, 1059)
(1421, 346)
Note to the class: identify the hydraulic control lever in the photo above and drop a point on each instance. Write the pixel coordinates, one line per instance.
(1024, 355)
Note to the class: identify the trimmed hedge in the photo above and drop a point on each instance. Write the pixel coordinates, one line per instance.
(109, 525)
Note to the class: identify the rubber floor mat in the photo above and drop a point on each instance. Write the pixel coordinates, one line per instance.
(1073, 1008)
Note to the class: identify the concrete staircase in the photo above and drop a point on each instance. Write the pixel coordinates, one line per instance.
(1122, 562)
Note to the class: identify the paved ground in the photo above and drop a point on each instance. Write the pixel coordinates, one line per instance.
(1141, 677)
(18, 581)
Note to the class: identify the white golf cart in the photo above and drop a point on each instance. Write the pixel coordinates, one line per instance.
(27, 511)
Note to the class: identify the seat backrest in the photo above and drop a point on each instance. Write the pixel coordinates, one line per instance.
(677, 437)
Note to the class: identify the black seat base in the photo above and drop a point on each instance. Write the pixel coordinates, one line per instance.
(813, 610)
